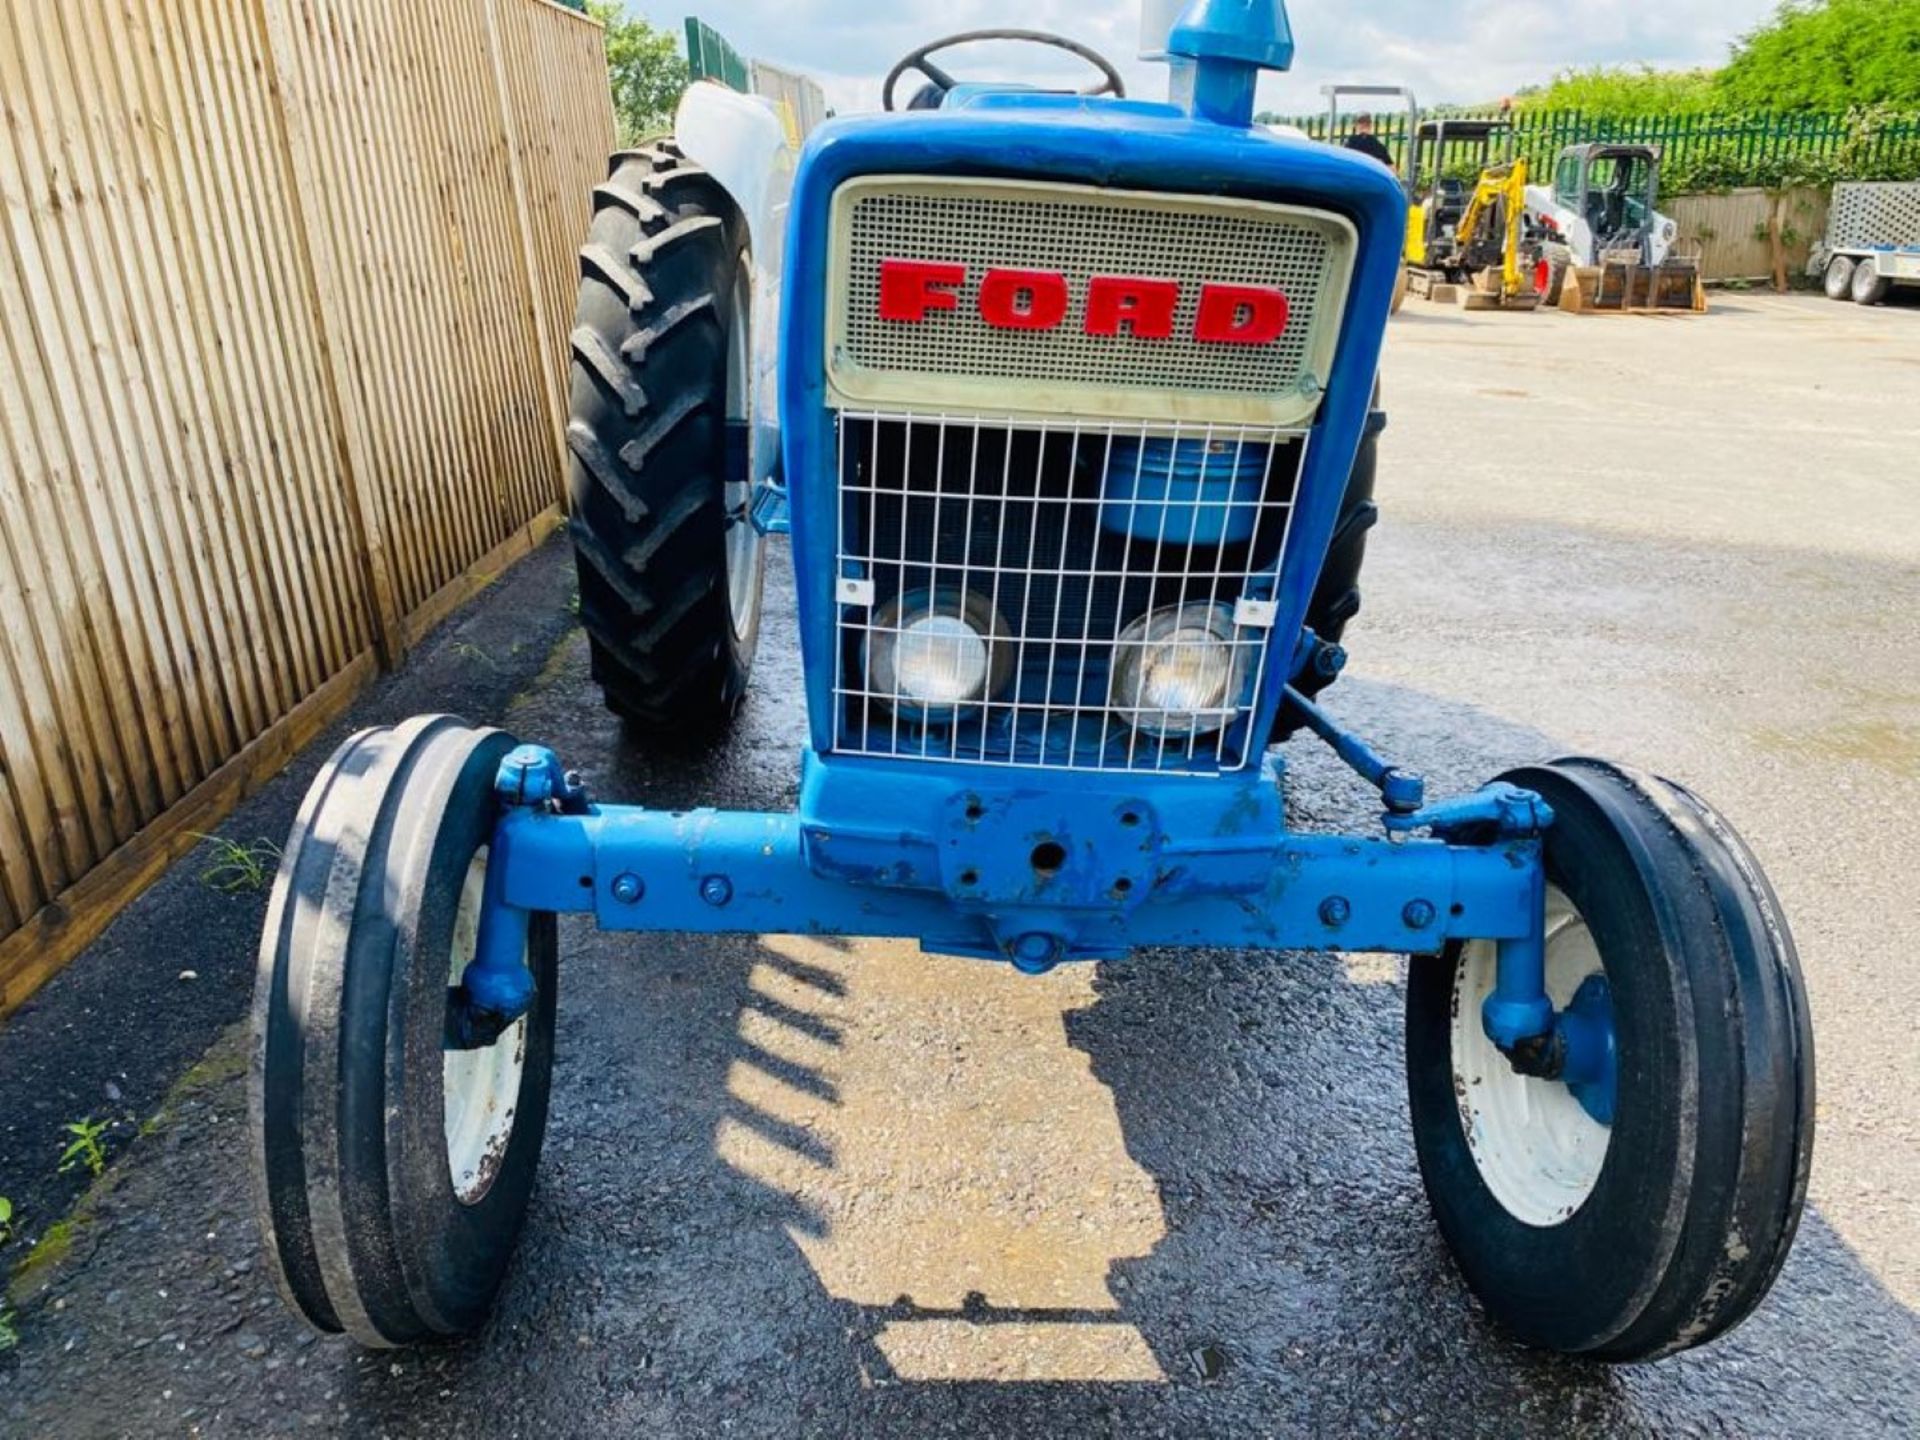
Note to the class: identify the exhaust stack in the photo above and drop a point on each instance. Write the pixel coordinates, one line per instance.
(1215, 51)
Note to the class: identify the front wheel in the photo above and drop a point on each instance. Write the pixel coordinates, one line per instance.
(1648, 1212)
(391, 1171)
(1550, 272)
(1839, 278)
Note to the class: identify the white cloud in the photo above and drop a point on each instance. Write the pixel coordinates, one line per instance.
(1452, 50)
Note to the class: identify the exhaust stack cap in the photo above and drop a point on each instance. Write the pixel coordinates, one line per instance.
(1216, 50)
(1252, 32)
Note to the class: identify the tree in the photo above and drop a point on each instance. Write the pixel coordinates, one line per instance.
(645, 69)
(1828, 55)
(1620, 92)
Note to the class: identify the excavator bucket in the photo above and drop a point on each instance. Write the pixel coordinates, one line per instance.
(1488, 291)
(1626, 286)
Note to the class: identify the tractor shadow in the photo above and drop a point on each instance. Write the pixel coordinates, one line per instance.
(820, 1187)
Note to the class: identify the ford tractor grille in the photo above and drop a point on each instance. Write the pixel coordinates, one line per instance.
(1048, 300)
(1089, 595)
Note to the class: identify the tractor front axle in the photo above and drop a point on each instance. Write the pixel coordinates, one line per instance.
(1028, 876)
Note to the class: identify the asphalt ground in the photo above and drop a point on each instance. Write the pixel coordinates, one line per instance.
(803, 1187)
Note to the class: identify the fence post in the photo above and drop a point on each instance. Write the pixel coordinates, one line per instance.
(368, 535)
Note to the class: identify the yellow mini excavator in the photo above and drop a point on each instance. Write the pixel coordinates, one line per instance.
(1469, 239)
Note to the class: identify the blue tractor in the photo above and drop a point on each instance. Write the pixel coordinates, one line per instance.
(1067, 402)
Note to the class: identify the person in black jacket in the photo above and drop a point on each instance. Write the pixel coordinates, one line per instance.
(1366, 142)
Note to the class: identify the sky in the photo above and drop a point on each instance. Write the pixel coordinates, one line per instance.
(1447, 50)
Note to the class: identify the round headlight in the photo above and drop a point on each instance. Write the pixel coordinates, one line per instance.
(1177, 671)
(932, 653)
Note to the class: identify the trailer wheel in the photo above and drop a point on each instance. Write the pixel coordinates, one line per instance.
(1839, 278)
(1629, 1221)
(391, 1174)
(1870, 287)
(671, 568)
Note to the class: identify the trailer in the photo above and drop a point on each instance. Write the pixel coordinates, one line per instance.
(1872, 241)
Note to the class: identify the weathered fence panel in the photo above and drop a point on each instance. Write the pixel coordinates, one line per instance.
(1734, 231)
(283, 301)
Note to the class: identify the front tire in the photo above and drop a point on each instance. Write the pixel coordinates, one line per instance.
(1664, 1228)
(671, 569)
(391, 1174)
(1551, 276)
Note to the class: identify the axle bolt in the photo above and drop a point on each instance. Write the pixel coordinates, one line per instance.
(1418, 914)
(1035, 952)
(716, 890)
(1335, 910)
(628, 887)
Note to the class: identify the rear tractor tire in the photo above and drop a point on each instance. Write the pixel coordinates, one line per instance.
(391, 1172)
(671, 569)
(1647, 1210)
(1336, 597)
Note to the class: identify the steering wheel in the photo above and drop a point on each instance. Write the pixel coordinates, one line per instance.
(1110, 81)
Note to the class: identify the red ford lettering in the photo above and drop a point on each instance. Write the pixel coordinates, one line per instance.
(1141, 307)
(1023, 299)
(1145, 307)
(1240, 314)
(910, 288)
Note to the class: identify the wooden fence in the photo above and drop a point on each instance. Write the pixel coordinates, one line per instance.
(284, 288)
(1736, 233)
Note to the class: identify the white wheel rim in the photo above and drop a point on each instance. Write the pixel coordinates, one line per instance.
(1534, 1144)
(743, 540)
(480, 1088)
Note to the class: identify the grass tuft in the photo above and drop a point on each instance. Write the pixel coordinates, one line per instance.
(238, 869)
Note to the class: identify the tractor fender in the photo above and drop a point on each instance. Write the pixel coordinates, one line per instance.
(740, 141)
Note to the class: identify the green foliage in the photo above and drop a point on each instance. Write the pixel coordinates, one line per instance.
(1827, 55)
(9, 1333)
(645, 68)
(6, 1219)
(1624, 92)
(85, 1148)
(238, 869)
(1871, 144)
(1707, 152)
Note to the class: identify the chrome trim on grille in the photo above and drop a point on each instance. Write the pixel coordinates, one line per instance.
(1046, 525)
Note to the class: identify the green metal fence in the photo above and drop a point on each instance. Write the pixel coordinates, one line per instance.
(711, 57)
(1703, 152)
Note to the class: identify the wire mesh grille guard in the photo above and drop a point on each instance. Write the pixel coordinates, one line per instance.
(995, 574)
